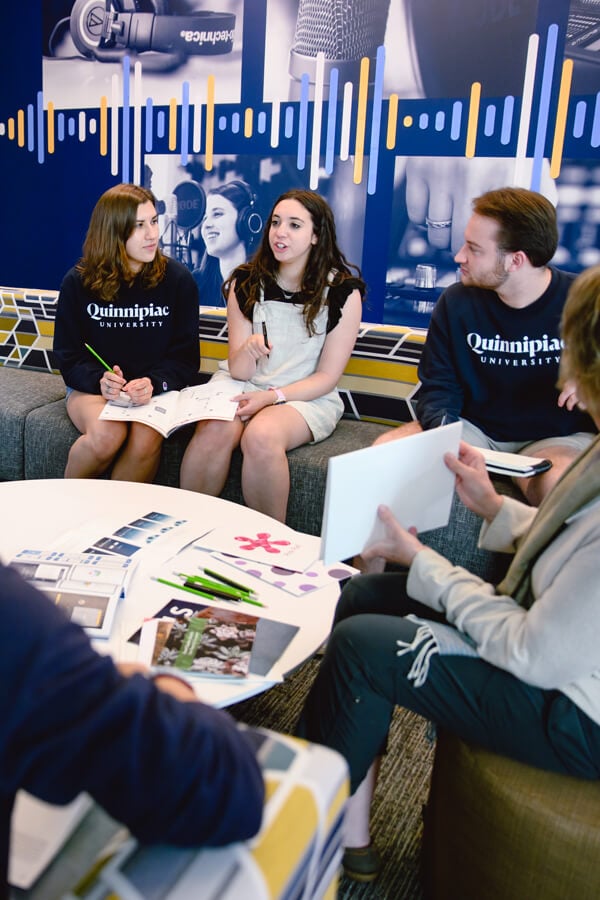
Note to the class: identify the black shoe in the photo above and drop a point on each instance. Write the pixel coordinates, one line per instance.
(362, 863)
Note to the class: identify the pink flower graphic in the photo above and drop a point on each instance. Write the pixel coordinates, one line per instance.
(262, 541)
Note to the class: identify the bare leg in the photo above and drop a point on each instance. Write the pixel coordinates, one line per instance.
(139, 458)
(536, 487)
(100, 441)
(265, 471)
(401, 431)
(358, 809)
(207, 458)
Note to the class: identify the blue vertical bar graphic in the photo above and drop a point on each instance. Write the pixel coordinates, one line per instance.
(456, 120)
(542, 121)
(149, 125)
(595, 137)
(125, 125)
(579, 121)
(41, 131)
(185, 121)
(30, 127)
(331, 121)
(288, 122)
(490, 120)
(507, 116)
(376, 121)
(60, 126)
(303, 123)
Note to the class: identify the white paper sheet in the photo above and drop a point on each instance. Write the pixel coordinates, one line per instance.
(408, 475)
(279, 546)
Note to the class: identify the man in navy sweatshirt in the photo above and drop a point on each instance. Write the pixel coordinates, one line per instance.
(173, 771)
(493, 345)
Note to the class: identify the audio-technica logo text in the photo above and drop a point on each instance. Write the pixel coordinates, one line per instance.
(128, 316)
(542, 351)
(206, 37)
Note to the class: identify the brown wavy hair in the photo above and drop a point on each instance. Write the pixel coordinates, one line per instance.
(580, 330)
(104, 266)
(526, 221)
(325, 256)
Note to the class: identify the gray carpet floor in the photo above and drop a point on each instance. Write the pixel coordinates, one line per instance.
(397, 814)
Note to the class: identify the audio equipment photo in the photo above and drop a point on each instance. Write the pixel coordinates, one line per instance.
(107, 29)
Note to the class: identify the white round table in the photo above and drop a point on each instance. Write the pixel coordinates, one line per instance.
(72, 514)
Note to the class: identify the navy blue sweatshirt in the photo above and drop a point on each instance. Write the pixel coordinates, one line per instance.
(180, 773)
(497, 366)
(146, 331)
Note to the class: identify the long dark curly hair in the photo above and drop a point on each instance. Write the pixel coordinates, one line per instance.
(104, 266)
(325, 257)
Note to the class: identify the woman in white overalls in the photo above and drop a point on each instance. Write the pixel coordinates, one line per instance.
(293, 316)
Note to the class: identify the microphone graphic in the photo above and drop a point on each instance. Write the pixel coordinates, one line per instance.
(344, 31)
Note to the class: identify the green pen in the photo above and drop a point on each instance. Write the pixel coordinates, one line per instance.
(218, 587)
(222, 590)
(99, 358)
(226, 580)
(182, 587)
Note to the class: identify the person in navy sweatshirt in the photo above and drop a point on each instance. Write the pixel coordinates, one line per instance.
(493, 347)
(138, 311)
(172, 771)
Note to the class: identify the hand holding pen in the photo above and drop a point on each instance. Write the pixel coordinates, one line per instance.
(112, 381)
(257, 345)
(113, 385)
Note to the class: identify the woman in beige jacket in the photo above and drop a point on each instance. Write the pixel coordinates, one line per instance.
(513, 667)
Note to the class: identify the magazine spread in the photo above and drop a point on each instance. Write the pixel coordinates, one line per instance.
(197, 639)
(174, 409)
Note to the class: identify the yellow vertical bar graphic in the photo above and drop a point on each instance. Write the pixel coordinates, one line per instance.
(50, 128)
(103, 125)
(210, 122)
(561, 118)
(10, 126)
(361, 119)
(172, 123)
(392, 124)
(248, 122)
(473, 119)
(21, 127)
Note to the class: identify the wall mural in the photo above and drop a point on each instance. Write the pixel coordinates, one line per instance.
(398, 111)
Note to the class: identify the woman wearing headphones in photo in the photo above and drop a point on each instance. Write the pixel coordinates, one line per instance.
(229, 228)
(293, 316)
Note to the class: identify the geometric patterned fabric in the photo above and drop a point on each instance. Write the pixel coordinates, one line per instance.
(379, 383)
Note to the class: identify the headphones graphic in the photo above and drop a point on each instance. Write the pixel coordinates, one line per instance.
(249, 221)
(107, 29)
